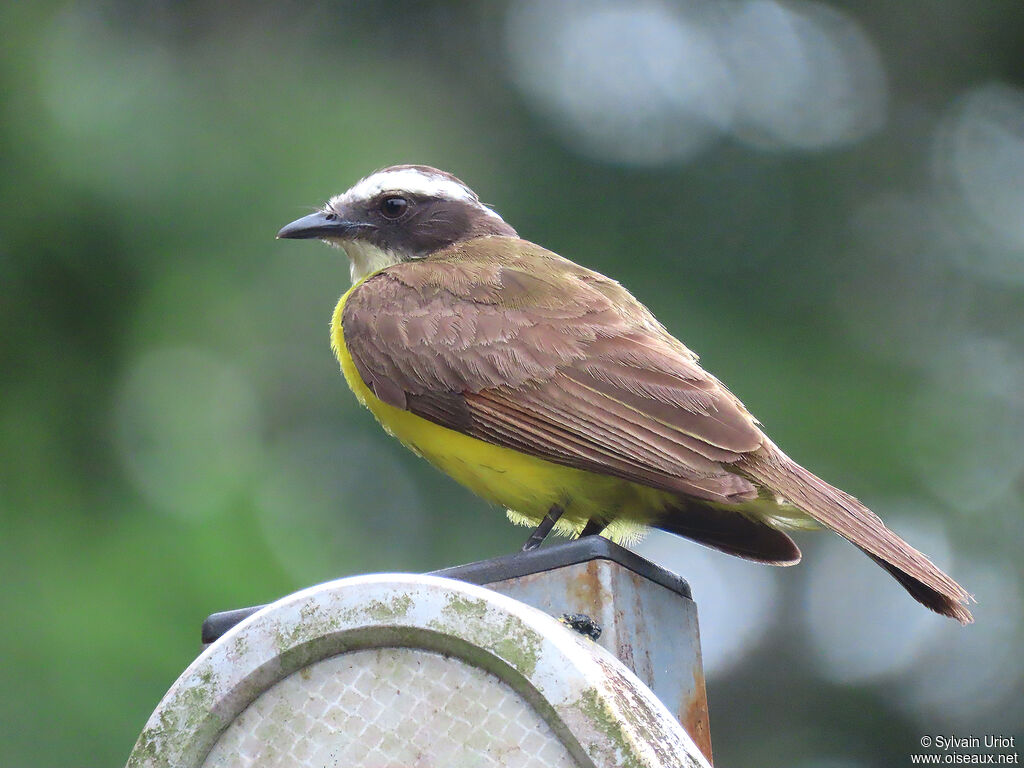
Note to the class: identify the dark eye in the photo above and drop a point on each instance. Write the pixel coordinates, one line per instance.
(393, 207)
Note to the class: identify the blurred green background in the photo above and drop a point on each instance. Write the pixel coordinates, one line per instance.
(826, 200)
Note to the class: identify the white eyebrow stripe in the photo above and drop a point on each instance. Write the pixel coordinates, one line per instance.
(405, 180)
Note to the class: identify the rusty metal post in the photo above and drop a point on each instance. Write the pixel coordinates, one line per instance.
(646, 614)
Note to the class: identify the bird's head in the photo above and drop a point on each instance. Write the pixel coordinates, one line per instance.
(401, 213)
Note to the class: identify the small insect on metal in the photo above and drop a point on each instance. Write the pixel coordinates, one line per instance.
(580, 622)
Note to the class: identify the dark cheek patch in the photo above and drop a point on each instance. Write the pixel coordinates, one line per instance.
(436, 224)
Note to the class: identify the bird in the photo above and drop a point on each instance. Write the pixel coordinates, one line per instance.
(546, 388)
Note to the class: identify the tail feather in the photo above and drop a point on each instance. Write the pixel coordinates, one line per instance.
(729, 531)
(849, 518)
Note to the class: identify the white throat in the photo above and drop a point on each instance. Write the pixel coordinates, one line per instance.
(366, 258)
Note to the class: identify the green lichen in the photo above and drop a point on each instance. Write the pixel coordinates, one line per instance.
(312, 623)
(189, 712)
(505, 636)
(466, 608)
(241, 646)
(519, 645)
(593, 707)
(288, 637)
(396, 608)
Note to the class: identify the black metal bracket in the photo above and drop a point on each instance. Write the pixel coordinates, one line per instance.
(509, 567)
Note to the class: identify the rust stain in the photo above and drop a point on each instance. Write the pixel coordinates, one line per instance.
(625, 654)
(694, 715)
(585, 587)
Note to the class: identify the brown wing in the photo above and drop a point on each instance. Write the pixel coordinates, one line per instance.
(502, 340)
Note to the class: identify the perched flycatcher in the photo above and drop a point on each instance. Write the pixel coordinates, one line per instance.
(545, 387)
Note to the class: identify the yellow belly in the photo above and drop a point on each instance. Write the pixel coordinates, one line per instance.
(525, 485)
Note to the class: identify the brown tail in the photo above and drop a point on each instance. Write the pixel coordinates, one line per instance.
(852, 520)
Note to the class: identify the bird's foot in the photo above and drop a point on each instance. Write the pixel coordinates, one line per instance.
(541, 531)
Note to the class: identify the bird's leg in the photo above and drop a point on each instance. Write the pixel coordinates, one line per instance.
(592, 528)
(541, 531)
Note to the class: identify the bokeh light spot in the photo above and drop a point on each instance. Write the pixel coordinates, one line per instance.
(332, 499)
(974, 672)
(806, 75)
(965, 426)
(979, 153)
(631, 83)
(187, 429)
(862, 626)
(648, 83)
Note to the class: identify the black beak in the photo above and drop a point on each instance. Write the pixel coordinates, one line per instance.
(319, 224)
